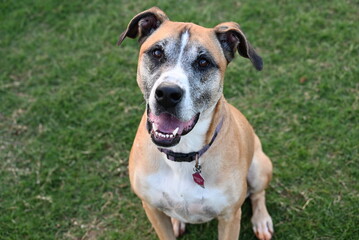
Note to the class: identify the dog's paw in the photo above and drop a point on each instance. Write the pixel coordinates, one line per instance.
(262, 226)
(178, 227)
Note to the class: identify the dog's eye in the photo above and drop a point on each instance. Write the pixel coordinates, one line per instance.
(203, 63)
(158, 53)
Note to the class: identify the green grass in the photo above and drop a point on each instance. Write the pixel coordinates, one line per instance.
(69, 109)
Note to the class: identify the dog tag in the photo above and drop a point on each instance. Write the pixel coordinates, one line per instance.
(197, 178)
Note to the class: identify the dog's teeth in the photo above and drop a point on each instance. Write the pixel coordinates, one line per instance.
(175, 131)
(154, 127)
(164, 135)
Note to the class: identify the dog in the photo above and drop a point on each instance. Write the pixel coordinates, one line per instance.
(195, 157)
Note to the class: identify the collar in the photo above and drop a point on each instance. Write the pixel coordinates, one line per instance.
(189, 157)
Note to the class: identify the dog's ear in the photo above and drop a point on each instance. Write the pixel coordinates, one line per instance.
(232, 39)
(143, 24)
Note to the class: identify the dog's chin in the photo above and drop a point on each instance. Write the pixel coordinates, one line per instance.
(161, 142)
(166, 130)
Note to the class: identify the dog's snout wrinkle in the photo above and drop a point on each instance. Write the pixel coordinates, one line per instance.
(168, 95)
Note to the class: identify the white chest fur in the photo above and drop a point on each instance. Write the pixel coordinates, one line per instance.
(173, 191)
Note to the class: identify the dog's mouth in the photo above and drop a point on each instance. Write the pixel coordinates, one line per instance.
(166, 130)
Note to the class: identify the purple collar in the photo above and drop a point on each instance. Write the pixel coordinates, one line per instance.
(189, 157)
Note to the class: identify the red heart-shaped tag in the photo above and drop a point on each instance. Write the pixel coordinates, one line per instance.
(197, 178)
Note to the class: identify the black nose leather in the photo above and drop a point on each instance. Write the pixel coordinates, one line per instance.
(168, 95)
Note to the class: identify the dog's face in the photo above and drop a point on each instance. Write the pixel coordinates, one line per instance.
(180, 73)
(181, 69)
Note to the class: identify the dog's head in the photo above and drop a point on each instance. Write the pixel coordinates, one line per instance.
(181, 69)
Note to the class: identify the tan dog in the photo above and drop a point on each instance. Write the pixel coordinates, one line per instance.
(195, 157)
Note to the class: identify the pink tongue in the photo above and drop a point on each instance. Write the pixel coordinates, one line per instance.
(166, 123)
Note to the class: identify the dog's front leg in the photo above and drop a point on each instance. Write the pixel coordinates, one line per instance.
(160, 221)
(229, 226)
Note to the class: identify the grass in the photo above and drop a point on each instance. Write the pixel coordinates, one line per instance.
(69, 109)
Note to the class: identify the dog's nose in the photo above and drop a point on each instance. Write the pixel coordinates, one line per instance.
(168, 94)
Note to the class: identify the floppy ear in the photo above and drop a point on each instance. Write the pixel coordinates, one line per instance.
(232, 39)
(143, 24)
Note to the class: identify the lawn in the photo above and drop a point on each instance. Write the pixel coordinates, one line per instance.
(70, 106)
